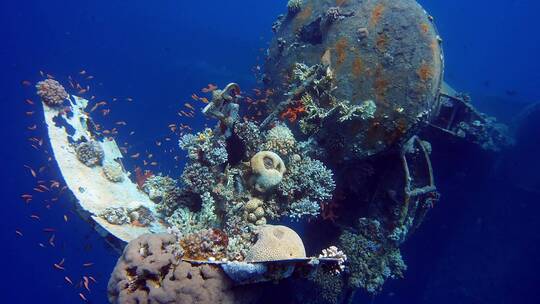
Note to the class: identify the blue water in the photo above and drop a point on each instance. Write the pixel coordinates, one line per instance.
(479, 245)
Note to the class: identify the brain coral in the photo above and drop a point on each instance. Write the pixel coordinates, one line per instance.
(268, 169)
(51, 92)
(276, 243)
(150, 271)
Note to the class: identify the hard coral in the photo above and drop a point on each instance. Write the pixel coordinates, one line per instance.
(51, 92)
(90, 153)
(113, 171)
(276, 243)
(280, 139)
(268, 169)
(150, 271)
(308, 184)
(206, 244)
(294, 6)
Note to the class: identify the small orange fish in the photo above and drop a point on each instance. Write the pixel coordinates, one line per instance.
(29, 113)
(82, 72)
(68, 280)
(41, 73)
(89, 77)
(65, 218)
(209, 88)
(18, 233)
(31, 171)
(34, 216)
(50, 76)
(136, 155)
(81, 295)
(88, 264)
(29, 101)
(129, 99)
(121, 123)
(194, 97)
(82, 91)
(26, 83)
(204, 100)
(189, 106)
(59, 267)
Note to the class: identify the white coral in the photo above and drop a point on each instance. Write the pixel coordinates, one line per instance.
(113, 171)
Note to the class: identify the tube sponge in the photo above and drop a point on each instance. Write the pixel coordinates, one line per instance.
(268, 169)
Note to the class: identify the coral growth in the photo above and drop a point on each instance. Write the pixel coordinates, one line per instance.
(267, 169)
(276, 243)
(205, 147)
(372, 257)
(280, 139)
(51, 92)
(205, 244)
(254, 212)
(90, 153)
(294, 6)
(150, 271)
(307, 184)
(140, 216)
(188, 221)
(113, 171)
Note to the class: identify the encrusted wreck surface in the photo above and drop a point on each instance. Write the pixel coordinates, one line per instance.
(386, 52)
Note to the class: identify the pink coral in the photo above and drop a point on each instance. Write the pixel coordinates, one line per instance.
(51, 92)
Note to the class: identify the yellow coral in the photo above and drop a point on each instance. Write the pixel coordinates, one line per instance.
(268, 169)
(276, 243)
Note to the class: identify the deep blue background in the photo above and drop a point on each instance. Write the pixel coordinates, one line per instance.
(480, 245)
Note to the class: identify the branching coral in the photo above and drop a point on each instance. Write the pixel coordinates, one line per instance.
(307, 184)
(250, 136)
(90, 153)
(280, 139)
(372, 257)
(294, 6)
(198, 178)
(51, 92)
(205, 147)
(188, 221)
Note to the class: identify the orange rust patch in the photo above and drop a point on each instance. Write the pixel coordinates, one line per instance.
(425, 27)
(381, 42)
(340, 2)
(424, 72)
(381, 86)
(302, 17)
(400, 129)
(376, 14)
(357, 66)
(341, 52)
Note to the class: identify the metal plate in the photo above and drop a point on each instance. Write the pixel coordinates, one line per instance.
(387, 51)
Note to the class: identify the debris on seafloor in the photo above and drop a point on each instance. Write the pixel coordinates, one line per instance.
(340, 146)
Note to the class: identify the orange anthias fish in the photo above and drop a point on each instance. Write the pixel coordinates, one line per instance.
(209, 88)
